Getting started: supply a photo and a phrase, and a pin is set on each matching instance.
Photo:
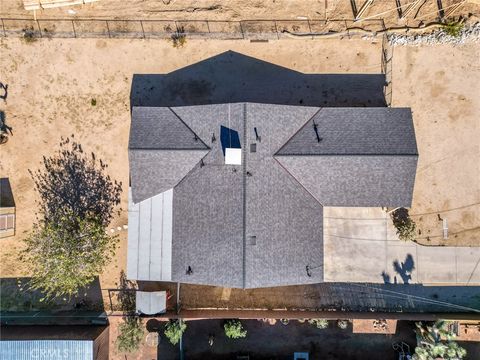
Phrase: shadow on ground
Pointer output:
(23, 306)
(232, 77)
(412, 298)
(279, 341)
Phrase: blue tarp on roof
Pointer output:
(46, 349)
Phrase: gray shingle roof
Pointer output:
(155, 171)
(218, 209)
(161, 128)
(345, 180)
(260, 224)
(162, 150)
(355, 131)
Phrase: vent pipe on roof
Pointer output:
(259, 139)
(315, 128)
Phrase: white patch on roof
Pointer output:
(150, 225)
(233, 156)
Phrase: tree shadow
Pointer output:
(3, 124)
(233, 77)
(403, 269)
(126, 294)
(74, 180)
(3, 91)
(22, 305)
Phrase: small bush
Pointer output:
(93, 102)
(130, 335)
(234, 329)
(179, 38)
(453, 28)
(342, 324)
(29, 35)
(405, 225)
(174, 330)
(319, 323)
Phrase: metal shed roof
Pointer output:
(150, 238)
(46, 349)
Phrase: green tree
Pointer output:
(319, 323)
(406, 228)
(66, 255)
(69, 246)
(436, 342)
(130, 334)
(174, 330)
(234, 329)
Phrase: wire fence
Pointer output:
(166, 29)
(387, 70)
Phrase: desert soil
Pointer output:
(242, 10)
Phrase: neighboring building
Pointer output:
(232, 194)
(54, 342)
(7, 209)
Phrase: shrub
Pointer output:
(29, 35)
(404, 224)
(430, 343)
(453, 28)
(130, 334)
(319, 323)
(234, 329)
(179, 38)
(174, 330)
(342, 324)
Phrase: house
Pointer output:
(232, 195)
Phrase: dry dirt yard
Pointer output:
(243, 10)
(52, 82)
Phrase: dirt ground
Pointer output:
(439, 84)
(244, 9)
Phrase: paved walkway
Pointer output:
(360, 245)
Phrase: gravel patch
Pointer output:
(469, 33)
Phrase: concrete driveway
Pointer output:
(360, 245)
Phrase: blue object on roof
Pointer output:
(46, 349)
